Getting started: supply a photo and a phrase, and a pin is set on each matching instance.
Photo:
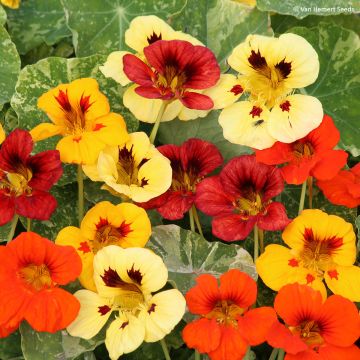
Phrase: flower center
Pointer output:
(226, 313)
(302, 150)
(37, 276)
(171, 80)
(309, 332)
(250, 203)
(16, 183)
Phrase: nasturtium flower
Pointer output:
(240, 198)
(31, 273)
(312, 155)
(315, 329)
(2, 134)
(190, 163)
(25, 180)
(270, 69)
(81, 114)
(136, 169)
(227, 325)
(125, 280)
(13, 4)
(125, 225)
(322, 247)
(344, 188)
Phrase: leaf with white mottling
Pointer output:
(2, 16)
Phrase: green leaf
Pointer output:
(303, 8)
(10, 66)
(10, 347)
(338, 84)
(187, 255)
(2, 15)
(208, 128)
(36, 21)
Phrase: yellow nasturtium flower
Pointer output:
(81, 114)
(2, 134)
(125, 280)
(136, 169)
(13, 4)
(125, 225)
(322, 247)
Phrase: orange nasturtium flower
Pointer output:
(2, 135)
(32, 268)
(125, 225)
(81, 114)
(12, 4)
(322, 246)
(227, 325)
(315, 329)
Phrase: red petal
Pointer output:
(249, 324)
(40, 205)
(238, 288)
(196, 101)
(202, 334)
(7, 208)
(5, 331)
(177, 204)
(137, 71)
(151, 92)
(155, 202)
(274, 219)
(279, 153)
(297, 173)
(172, 152)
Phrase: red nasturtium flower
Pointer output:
(25, 179)
(173, 69)
(312, 155)
(344, 188)
(240, 198)
(227, 325)
(314, 329)
(32, 268)
(190, 162)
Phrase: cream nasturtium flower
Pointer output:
(142, 32)
(125, 280)
(136, 169)
(269, 69)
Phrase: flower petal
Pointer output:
(114, 67)
(137, 71)
(232, 227)
(7, 208)
(275, 217)
(193, 100)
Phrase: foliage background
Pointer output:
(46, 42)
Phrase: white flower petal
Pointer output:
(114, 67)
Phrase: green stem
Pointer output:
(310, 185)
(261, 240)
(13, 227)
(197, 355)
(197, 220)
(281, 354)
(192, 223)
(302, 197)
(165, 349)
(173, 284)
(80, 180)
(274, 354)
(28, 224)
(157, 121)
(256, 242)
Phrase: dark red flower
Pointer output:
(25, 179)
(344, 188)
(312, 155)
(175, 67)
(240, 197)
(190, 162)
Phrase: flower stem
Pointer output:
(28, 224)
(165, 349)
(281, 354)
(80, 180)
(302, 197)
(261, 240)
(197, 220)
(310, 185)
(157, 121)
(256, 242)
(273, 354)
(197, 355)
(13, 227)
(192, 223)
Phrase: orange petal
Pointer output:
(330, 352)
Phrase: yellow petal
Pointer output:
(106, 168)
(44, 131)
(179, 35)
(294, 117)
(91, 172)
(13, 4)
(344, 281)
(114, 67)
(164, 312)
(93, 314)
(241, 125)
(2, 134)
(190, 114)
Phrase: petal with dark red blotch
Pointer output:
(46, 169)
(249, 324)
(193, 100)
(297, 173)
(137, 71)
(202, 334)
(202, 298)
(177, 204)
(279, 153)
(331, 162)
(39, 205)
(330, 352)
(151, 92)
(275, 217)
(52, 310)
(15, 150)
(200, 157)
(7, 208)
(238, 288)
(232, 345)
(281, 337)
(232, 227)
(212, 198)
